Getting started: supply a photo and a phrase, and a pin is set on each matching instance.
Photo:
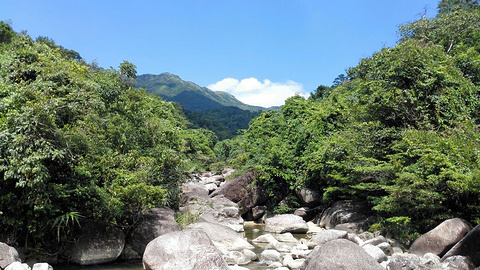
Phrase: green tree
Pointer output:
(448, 6)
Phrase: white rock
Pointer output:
(386, 248)
(270, 255)
(250, 254)
(266, 238)
(275, 265)
(279, 246)
(313, 228)
(236, 267)
(430, 260)
(211, 187)
(375, 252)
(286, 237)
(16, 266)
(42, 266)
(354, 238)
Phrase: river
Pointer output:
(251, 232)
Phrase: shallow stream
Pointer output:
(252, 231)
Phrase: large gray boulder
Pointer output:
(8, 255)
(223, 211)
(223, 237)
(98, 243)
(243, 191)
(441, 238)
(154, 222)
(309, 197)
(469, 246)
(286, 223)
(354, 213)
(186, 250)
(340, 254)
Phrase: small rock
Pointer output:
(375, 252)
(250, 254)
(377, 240)
(354, 238)
(236, 258)
(325, 236)
(430, 260)
(270, 255)
(386, 248)
(258, 211)
(16, 266)
(278, 246)
(458, 262)
(404, 262)
(314, 228)
(265, 238)
(211, 187)
(286, 237)
(236, 267)
(292, 263)
(42, 266)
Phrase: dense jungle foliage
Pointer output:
(77, 143)
(400, 132)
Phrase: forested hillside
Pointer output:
(218, 111)
(78, 142)
(401, 132)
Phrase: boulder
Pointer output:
(286, 237)
(292, 263)
(431, 260)
(265, 238)
(98, 243)
(308, 196)
(237, 188)
(236, 267)
(258, 211)
(469, 246)
(223, 237)
(8, 255)
(345, 212)
(458, 262)
(223, 211)
(42, 266)
(211, 187)
(270, 255)
(286, 223)
(326, 236)
(215, 179)
(375, 252)
(376, 240)
(242, 191)
(236, 258)
(340, 254)
(386, 248)
(404, 262)
(186, 250)
(227, 172)
(154, 222)
(17, 266)
(441, 238)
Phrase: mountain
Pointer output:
(189, 95)
(217, 111)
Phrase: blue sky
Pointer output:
(261, 51)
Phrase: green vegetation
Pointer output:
(218, 111)
(400, 130)
(77, 142)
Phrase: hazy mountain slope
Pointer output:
(191, 96)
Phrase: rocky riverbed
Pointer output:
(213, 235)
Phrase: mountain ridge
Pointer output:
(188, 94)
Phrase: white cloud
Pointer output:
(253, 92)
